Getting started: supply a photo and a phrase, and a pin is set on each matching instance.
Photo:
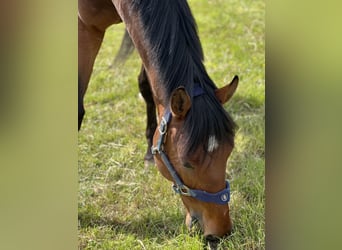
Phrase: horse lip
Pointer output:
(212, 237)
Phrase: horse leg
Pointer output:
(81, 110)
(146, 92)
(89, 42)
(126, 49)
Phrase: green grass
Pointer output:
(122, 204)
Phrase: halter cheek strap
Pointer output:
(221, 197)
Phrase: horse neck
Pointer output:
(161, 88)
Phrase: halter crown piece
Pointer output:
(221, 197)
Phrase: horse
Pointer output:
(193, 137)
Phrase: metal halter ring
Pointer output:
(163, 126)
(183, 190)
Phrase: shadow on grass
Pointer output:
(165, 226)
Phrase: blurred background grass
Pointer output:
(38, 137)
(303, 139)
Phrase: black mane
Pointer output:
(177, 54)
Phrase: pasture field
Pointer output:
(123, 204)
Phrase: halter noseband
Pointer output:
(221, 197)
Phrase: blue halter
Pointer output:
(221, 197)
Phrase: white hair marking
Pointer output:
(212, 143)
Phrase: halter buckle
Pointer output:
(162, 131)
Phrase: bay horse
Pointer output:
(194, 135)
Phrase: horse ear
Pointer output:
(225, 93)
(180, 102)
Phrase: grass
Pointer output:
(122, 204)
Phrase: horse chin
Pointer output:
(212, 242)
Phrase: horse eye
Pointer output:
(188, 165)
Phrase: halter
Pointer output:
(221, 197)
